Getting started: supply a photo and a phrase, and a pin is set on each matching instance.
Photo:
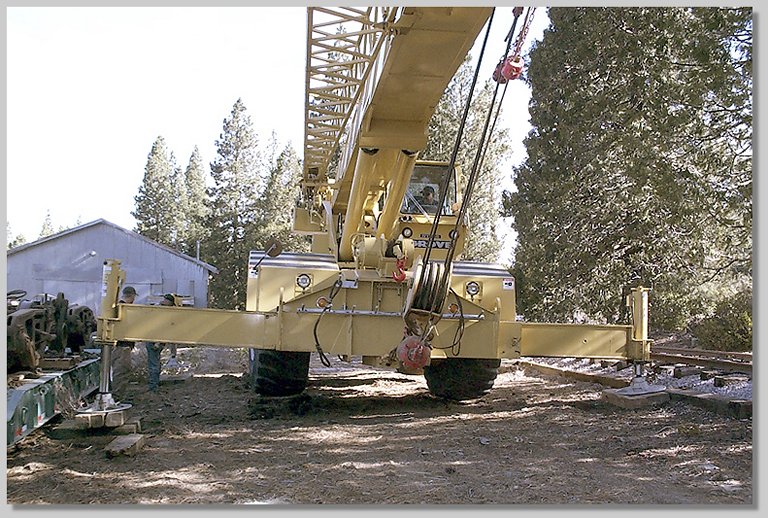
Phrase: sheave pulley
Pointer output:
(431, 280)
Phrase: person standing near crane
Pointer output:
(154, 349)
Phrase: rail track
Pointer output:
(718, 360)
(719, 370)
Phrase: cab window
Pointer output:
(423, 194)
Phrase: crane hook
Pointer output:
(399, 273)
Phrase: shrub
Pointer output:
(730, 327)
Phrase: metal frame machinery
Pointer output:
(382, 281)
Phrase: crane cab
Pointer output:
(421, 204)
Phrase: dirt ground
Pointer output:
(364, 436)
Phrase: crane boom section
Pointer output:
(396, 91)
(428, 46)
(342, 45)
(411, 74)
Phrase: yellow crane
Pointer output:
(384, 280)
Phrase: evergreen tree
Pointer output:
(14, 241)
(196, 206)
(156, 209)
(483, 212)
(233, 208)
(181, 207)
(278, 201)
(639, 163)
(47, 229)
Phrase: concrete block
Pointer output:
(114, 418)
(128, 445)
(95, 420)
(709, 374)
(135, 421)
(681, 371)
(72, 425)
(126, 429)
(68, 429)
(729, 379)
(634, 401)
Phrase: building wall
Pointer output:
(73, 264)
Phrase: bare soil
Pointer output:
(360, 436)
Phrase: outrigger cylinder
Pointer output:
(640, 314)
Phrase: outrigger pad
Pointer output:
(639, 386)
(638, 394)
(635, 401)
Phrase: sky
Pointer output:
(89, 89)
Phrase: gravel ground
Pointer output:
(360, 436)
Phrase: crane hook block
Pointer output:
(414, 353)
(511, 68)
(497, 73)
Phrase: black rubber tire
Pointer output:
(278, 373)
(461, 378)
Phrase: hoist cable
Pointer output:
(473, 176)
(517, 11)
(455, 152)
(482, 148)
(482, 145)
(495, 120)
(444, 190)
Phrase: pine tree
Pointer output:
(639, 164)
(196, 206)
(47, 229)
(156, 209)
(278, 201)
(181, 207)
(233, 208)
(484, 209)
(14, 241)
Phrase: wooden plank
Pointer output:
(128, 445)
(740, 409)
(580, 376)
(65, 363)
(131, 426)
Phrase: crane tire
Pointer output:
(461, 378)
(278, 373)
